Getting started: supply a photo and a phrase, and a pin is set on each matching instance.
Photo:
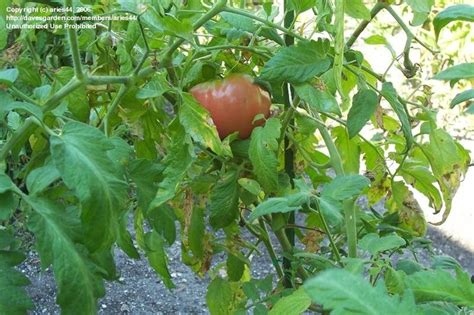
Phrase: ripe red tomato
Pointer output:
(233, 104)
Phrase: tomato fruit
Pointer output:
(233, 104)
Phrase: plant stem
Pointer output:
(105, 79)
(265, 238)
(16, 92)
(351, 226)
(21, 135)
(264, 21)
(271, 251)
(406, 29)
(73, 44)
(288, 248)
(375, 10)
(118, 97)
(334, 155)
(328, 232)
(289, 153)
(217, 8)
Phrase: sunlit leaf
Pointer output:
(458, 12)
(262, 153)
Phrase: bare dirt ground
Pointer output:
(139, 290)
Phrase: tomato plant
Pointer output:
(234, 104)
(106, 141)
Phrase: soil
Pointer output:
(140, 291)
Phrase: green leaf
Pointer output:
(3, 35)
(157, 257)
(297, 64)
(420, 177)
(40, 178)
(8, 205)
(8, 76)
(13, 297)
(99, 185)
(348, 149)
(248, 25)
(225, 200)
(178, 160)
(346, 293)
(345, 187)
(440, 285)
(77, 100)
(195, 120)
(146, 175)
(23, 106)
(154, 88)
(301, 6)
(262, 153)
(28, 72)
(6, 183)
(462, 97)
(290, 202)
(363, 107)
(375, 244)
(410, 217)
(457, 72)
(390, 94)
(295, 303)
(421, 10)
(250, 185)
(458, 12)
(196, 232)
(235, 267)
(356, 9)
(219, 297)
(79, 287)
(318, 100)
(162, 219)
(449, 162)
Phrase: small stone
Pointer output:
(104, 306)
(124, 308)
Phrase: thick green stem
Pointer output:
(271, 251)
(351, 226)
(348, 205)
(406, 29)
(375, 10)
(288, 248)
(217, 8)
(16, 92)
(334, 155)
(335, 251)
(118, 97)
(21, 135)
(73, 44)
(289, 156)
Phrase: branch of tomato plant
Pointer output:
(342, 122)
(265, 22)
(375, 10)
(73, 43)
(265, 238)
(348, 205)
(16, 92)
(334, 248)
(288, 248)
(239, 47)
(407, 30)
(21, 135)
(289, 153)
